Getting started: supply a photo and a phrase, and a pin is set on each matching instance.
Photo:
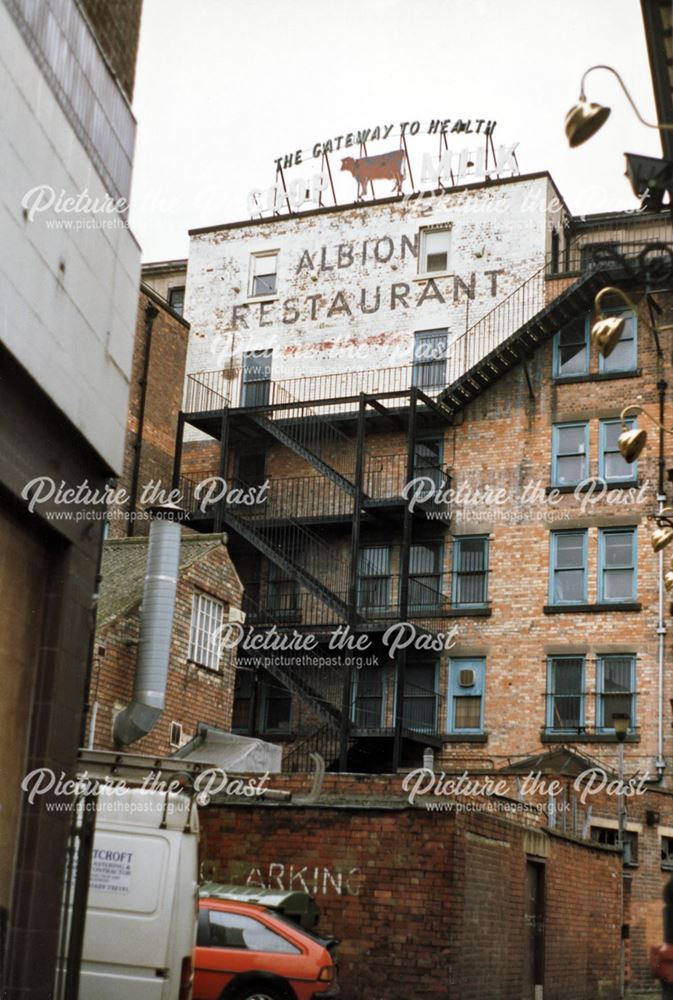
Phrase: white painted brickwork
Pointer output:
(349, 296)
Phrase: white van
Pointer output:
(143, 897)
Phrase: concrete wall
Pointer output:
(69, 292)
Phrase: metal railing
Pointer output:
(650, 255)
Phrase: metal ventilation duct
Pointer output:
(156, 628)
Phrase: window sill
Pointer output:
(596, 377)
(573, 737)
(433, 276)
(202, 666)
(594, 609)
(464, 612)
(613, 485)
(254, 299)
(464, 737)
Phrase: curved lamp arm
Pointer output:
(636, 408)
(624, 88)
(611, 290)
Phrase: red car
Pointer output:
(248, 952)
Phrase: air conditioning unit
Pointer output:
(467, 678)
(236, 615)
(175, 738)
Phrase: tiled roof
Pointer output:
(123, 570)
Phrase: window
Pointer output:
(425, 577)
(435, 250)
(263, 271)
(571, 349)
(466, 695)
(276, 706)
(175, 734)
(615, 690)
(256, 386)
(429, 369)
(617, 564)
(282, 595)
(176, 299)
(570, 448)
(367, 699)
(568, 581)
(428, 458)
(470, 571)
(419, 712)
(251, 469)
(593, 255)
(610, 836)
(374, 579)
(565, 694)
(233, 930)
(624, 355)
(244, 689)
(205, 633)
(613, 467)
(667, 852)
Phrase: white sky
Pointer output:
(224, 87)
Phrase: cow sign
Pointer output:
(388, 166)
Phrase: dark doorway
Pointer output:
(534, 931)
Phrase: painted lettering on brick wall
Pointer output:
(318, 881)
(376, 254)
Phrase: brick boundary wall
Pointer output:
(429, 905)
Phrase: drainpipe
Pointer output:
(156, 627)
(151, 313)
(660, 763)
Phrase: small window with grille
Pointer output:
(205, 635)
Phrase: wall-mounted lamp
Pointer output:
(584, 120)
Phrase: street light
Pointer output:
(584, 120)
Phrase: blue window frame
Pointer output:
(565, 694)
(617, 564)
(615, 690)
(568, 561)
(571, 349)
(466, 695)
(570, 453)
(624, 356)
(469, 580)
(612, 466)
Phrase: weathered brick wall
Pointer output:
(428, 905)
(194, 693)
(116, 25)
(163, 401)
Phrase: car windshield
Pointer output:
(326, 942)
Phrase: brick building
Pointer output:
(197, 690)
(491, 416)
(443, 341)
(157, 375)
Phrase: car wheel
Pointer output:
(260, 994)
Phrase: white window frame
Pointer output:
(423, 272)
(262, 255)
(207, 618)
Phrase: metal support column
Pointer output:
(222, 471)
(353, 577)
(401, 658)
(177, 459)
